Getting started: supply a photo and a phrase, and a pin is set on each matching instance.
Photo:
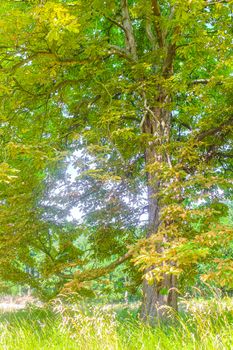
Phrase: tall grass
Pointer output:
(205, 325)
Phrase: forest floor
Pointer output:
(204, 325)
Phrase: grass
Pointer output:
(205, 325)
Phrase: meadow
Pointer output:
(202, 325)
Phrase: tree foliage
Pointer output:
(142, 90)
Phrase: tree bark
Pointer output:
(158, 298)
(157, 306)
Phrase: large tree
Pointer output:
(144, 87)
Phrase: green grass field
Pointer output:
(205, 325)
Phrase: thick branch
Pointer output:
(92, 274)
(150, 33)
(157, 25)
(171, 52)
(128, 28)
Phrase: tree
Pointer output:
(146, 87)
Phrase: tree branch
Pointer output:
(168, 63)
(118, 24)
(92, 274)
(215, 130)
(171, 52)
(200, 81)
(157, 26)
(120, 51)
(150, 33)
(64, 83)
(20, 87)
(204, 82)
(208, 3)
(128, 28)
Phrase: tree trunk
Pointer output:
(156, 305)
(156, 122)
(158, 298)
